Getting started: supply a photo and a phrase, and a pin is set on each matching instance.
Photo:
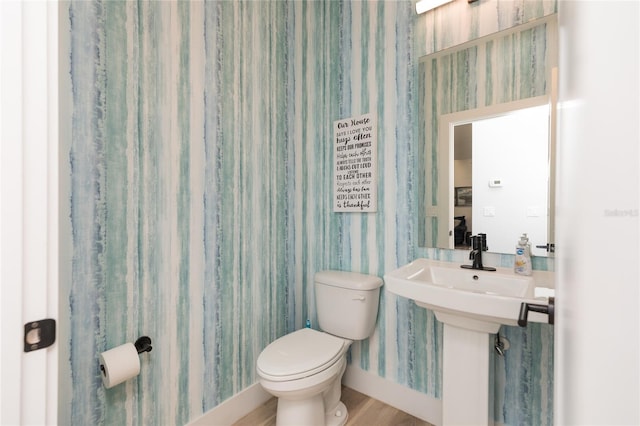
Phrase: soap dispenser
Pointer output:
(522, 264)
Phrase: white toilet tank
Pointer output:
(347, 303)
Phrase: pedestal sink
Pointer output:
(472, 304)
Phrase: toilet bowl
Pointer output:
(304, 369)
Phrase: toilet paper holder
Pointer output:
(143, 344)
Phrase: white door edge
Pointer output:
(28, 207)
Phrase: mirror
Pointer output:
(494, 175)
(479, 103)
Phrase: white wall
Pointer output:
(597, 296)
(515, 149)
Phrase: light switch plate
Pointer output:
(495, 182)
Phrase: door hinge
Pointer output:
(39, 334)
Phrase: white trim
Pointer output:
(29, 206)
(53, 206)
(234, 408)
(11, 208)
(394, 394)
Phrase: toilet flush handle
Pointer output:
(360, 298)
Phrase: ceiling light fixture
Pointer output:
(423, 6)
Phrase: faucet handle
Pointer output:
(479, 242)
(483, 242)
(473, 242)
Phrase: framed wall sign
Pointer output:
(355, 165)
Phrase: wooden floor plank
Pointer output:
(363, 411)
(265, 415)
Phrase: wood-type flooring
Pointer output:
(363, 411)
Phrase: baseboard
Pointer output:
(408, 400)
(391, 393)
(234, 408)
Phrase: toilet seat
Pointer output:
(300, 354)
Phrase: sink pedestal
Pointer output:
(465, 387)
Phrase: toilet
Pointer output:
(304, 369)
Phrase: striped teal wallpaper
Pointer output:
(198, 140)
(181, 162)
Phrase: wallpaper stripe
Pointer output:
(117, 193)
(211, 204)
(86, 294)
(197, 162)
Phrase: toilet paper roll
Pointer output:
(119, 364)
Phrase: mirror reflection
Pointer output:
(500, 179)
(485, 144)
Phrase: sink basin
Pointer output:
(472, 299)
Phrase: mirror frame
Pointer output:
(469, 77)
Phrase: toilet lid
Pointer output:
(300, 354)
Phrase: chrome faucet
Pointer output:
(478, 245)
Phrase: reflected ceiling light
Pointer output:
(426, 5)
